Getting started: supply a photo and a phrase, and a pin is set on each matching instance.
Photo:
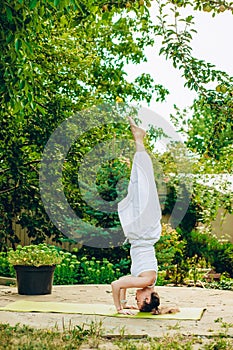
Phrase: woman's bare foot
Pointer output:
(138, 135)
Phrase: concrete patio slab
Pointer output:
(218, 304)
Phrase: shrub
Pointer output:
(169, 249)
(67, 271)
(225, 283)
(5, 267)
(218, 254)
(221, 256)
(96, 271)
(72, 270)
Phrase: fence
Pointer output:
(220, 227)
(21, 233)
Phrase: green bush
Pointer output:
(169, 247)
(221, 256)
(97, 272)
(217, 254)
(123, 265)
(198, 245)
(119, 256)
(6, 270)
(84, 270)
(73, 270)
(67, 271)
(225, 283)
(170, 254)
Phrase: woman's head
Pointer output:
(152, 305)
(147, 300)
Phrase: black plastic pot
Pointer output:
(32, 280)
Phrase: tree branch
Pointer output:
(25, 164)
(10, 189)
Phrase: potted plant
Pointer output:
(34, 266)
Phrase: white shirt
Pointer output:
(143, 259)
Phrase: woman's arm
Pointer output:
(123, 300)
(127, 282)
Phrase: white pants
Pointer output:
(140, 211)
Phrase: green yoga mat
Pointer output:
(96, 309)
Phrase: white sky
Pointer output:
(212, 42)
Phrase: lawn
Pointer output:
(92, 336)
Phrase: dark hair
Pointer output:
(152, 305)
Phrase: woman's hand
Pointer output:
(126, 312)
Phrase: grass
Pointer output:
(91, 336)
(27, 338)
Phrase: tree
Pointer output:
(209, 129)
(57, 58)
(207, 123)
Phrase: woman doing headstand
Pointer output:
(140, 216)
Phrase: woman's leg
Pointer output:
(140, 211)
(138, 135)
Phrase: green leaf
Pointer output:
(9, 13)
(22, 84)
(9, 38)
(30, 97)
(18, 44)
(32, 4)
(56, 2)
(17, 107)
(105, 16)
(29, 47)
(189, 19)
(41, 109)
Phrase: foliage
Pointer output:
(216, 253)
(179, 250)
(97, 272)
(168, 247)
(66, 271)
(5, 267)
(221, 254)
(119, 256)
(179, 258)
(196, 270)
(57, 58)
(225, 283)
(72, 270)
(198, 245)
(34, 255)
(178, 194)
(86, 195)
(206, 192)
(170, 254)
(109, 176)
(61, 57)
(207, 123)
